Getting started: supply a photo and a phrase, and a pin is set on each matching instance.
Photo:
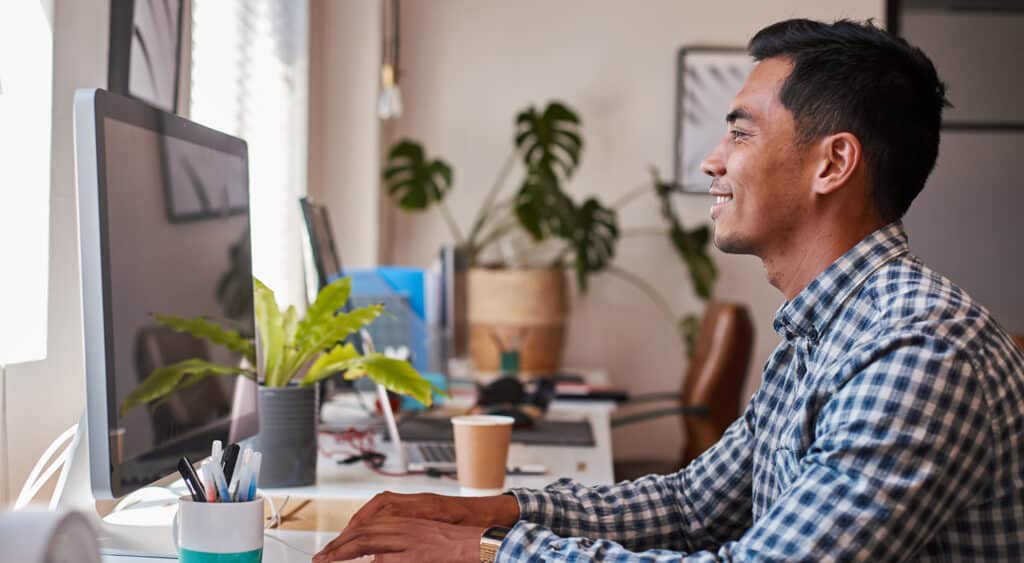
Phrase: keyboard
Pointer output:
(440, 456)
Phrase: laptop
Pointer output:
(439, 456)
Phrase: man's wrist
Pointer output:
(500, 510)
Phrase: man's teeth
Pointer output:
(722, 199)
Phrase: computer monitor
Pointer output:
(164, 228)
(326, 261)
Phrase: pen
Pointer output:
(188, 475)
(234, 486)
(216, 449)
(256, 458)
(228, 461)
(220, 483)
(211, 489)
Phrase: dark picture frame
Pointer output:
(144, 56)
(707, 79)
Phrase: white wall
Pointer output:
(44, 398)
(468, 66)
(344, 132)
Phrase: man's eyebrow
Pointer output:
(738, 113)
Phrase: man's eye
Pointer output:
(738, 135)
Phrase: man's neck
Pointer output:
(792, 267)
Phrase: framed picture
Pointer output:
(145, 50)
(707, 80)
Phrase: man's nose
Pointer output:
(713, 164)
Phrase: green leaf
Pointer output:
(395, 375)
(542, 207)
(416, 181)
(270, 326)
(205, 330)
(328, 302)
(333, 330)
(168, 379)
(594, 238)
(324, 365)
(549, 140)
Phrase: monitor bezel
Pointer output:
(92, 108)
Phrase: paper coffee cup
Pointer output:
(481, 452)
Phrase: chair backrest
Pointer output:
(715, 375)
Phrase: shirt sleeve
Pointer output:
(899, 448)
(702, 505)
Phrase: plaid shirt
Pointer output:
(889, 426)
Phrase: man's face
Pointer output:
(757, 169)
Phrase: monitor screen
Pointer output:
(164, 219)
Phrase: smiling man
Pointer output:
(890, 421)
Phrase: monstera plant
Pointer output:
(548, 147)
(304, 350)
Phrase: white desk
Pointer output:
(590, 465)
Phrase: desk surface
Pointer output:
(341, 489)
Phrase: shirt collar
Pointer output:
(808, 314)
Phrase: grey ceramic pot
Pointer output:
(287, 436)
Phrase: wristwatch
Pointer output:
(490, 542)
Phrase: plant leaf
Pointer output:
(542, 207)
(168, 379)
(331, 299)
(324, 365)
(596, 232)
(331, 331)
(270, 325)
(538, 135)
(395, 375)
(203, 329)
(416, 181)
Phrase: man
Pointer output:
(890, 421)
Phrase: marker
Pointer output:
(228, 461)
(216, 449)
(211, 488)
(241, 466)
(252, 478)
(192, 481)
(220, 482)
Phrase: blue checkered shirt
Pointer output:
(889, 426)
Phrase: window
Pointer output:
(26, 73)
(249, 78)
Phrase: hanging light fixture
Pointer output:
(389, 104)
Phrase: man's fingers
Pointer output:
(375, 544)
(361, 537)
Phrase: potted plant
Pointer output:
(564, 234)
(295, 354)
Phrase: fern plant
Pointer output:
(303, 350)
(548, 145)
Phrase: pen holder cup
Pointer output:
(222, 532)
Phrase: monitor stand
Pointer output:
(138, 524)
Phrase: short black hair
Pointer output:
(854, 77)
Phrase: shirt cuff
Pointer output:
(538, 506)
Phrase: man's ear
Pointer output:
(839, 157)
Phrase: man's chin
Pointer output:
(730, 244)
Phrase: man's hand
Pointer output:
(481, 512)
(398, 540)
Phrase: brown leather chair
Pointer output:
(709, 398)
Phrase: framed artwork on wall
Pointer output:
(707, 79)
(145, 50)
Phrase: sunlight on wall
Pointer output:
(249, 78)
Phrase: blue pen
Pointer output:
(254, 475)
